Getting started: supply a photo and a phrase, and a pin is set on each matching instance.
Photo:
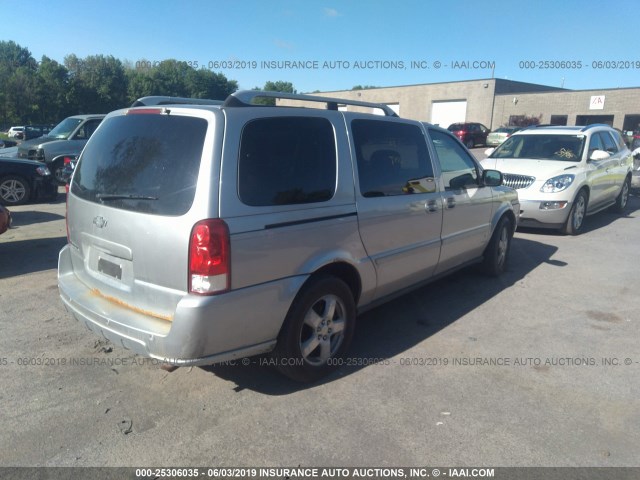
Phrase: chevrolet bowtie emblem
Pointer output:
(100, 222)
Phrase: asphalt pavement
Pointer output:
(540, 367)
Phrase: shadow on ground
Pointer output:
(29, 256)
(399, 325)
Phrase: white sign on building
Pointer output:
(597, 102)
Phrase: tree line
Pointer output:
(45, 91)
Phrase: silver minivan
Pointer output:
(205, 233)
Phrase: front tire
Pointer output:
(317, 330)
(577, 214)
(497, 252)
(14, 190)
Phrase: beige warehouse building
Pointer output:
(494, 102)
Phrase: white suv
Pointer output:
(563, 174)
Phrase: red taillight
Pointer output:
(209, 257)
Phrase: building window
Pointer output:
(559, 119)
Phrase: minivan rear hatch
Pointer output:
(129, 204)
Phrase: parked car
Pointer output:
(36, 131)
(7, 144)
(25, 180)
(69, 162)
(564, 173)
(471, 134)
(635, 141)
(16, 132)
(5, 219)
(499, 135)
(67, 138)
(255, 240)
(635, 177)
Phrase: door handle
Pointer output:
(431, 206)
(451, 202)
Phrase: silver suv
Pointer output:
(203, 233)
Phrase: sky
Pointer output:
(338, 44)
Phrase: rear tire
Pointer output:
(317, 330)
(469, 144)
(14, 190)
(623, 198)
(577, 214)
(497, 252)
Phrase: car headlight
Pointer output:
(557, 184)
(43, 171)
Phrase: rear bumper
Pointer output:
(203, 331)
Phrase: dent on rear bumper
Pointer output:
(204, 330)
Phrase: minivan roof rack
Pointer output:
(244, 98)
(162, 100)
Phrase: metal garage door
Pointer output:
(446, 113)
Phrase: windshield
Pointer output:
(542, 147)
(456, 127)
(505, 130)
(64, 128)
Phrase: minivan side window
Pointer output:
(287, 161)
(458, 169)
(392, 158)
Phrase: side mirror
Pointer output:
(492, 178)
(489, 151)
(599, 155)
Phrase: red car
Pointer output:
(5, 219)
(471, 134)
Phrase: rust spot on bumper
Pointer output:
(98, 293)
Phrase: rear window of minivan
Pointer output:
(145, 162)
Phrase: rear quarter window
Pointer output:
(145, 162)
(287, 161)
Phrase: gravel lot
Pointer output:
(540, 367)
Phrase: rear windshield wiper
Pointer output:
(106, 197)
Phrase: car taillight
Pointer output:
(43, 171)
(209, 257)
